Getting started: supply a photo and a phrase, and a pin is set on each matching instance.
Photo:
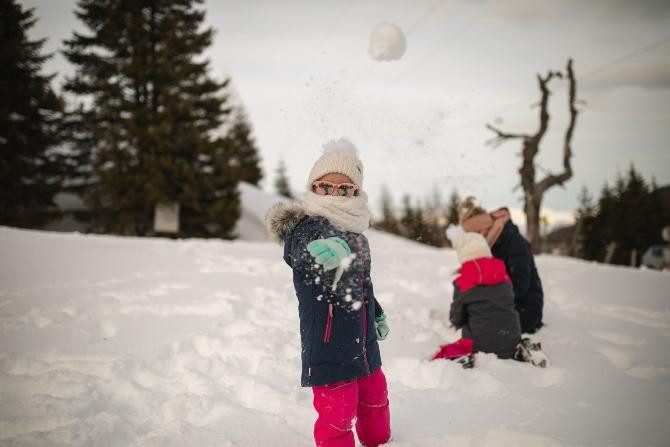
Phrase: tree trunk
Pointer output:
(533, 223)
(534, 190)
(609, 252)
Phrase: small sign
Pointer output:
(166, 218)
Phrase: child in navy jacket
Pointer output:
(340, 318)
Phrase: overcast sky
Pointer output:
(302, 70)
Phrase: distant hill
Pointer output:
(559, 240)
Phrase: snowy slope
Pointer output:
(151, 342)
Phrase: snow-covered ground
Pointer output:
(114, 341)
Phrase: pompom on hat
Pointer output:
(339, 156)
(470, 246)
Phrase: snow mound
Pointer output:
(119, 341)
(387, 42)
(254, 205)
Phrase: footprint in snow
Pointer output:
(620, 339)
(618, 358)
(622, 360)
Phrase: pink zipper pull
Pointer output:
(329, 324)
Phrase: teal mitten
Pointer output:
(381, 327)
(329, 253)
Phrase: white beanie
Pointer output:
(339, 156)
(471, 246)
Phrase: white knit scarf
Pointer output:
(344, 213)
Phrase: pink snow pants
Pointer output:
(338, 404)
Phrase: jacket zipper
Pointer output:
(329, 324)
(364, 315)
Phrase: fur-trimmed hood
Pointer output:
(282, 218)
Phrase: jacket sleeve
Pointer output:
(371, 294)
(457, 314)
(379, 311)
(519, 266)
(301, 261)
(295, 246)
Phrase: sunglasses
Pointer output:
(324, 188)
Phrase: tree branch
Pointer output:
(544, 105)
(559, 179)
(501, 136)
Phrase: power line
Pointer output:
(624, 58)
(589, 74)
(423, 16)
(486, 11)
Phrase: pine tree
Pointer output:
(586, 205)
(420, 231)
(282, 185)
(605, 222)
(389, 221)
(628, 219)
(584, 224)
(144, 131)
(433, 202)
(433, 219)
(452, 207)
(245, 160)
(639, 227)
(412, 220)
(30, 119)
(660, 203)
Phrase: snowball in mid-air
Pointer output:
(387, 42)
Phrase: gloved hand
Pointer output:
(381, 327)
(329, 253)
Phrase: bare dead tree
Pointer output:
(534, 190)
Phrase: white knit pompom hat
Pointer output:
(339, 156)
(471, 246)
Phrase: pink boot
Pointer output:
(456, 349)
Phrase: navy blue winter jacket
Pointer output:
(337, 330)
(515, 251)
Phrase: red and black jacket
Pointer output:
(483, 306)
